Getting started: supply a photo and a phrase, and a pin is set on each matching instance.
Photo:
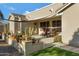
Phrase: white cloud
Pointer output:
(26, 12)
(37, 9)
(10, 8)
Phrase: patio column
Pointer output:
(38, 27)
(50, 23)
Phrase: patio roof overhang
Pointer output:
(45, 18)
(58, 13)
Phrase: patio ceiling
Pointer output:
(48, 12)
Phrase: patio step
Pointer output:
(7, 50)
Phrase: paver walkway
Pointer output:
(66, 47)
(70, 48)
(7, 50)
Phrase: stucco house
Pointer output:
(61, 16)
(67, 14)
(16, 23)
(38, 21)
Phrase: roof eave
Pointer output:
(65, 7)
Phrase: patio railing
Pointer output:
(51, 31)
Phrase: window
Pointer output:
(56, 23)
(35, 23)
(16, 18)
(44, 24)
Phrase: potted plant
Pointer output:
(11, 38)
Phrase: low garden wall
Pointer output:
(27, 48)
(34, 47)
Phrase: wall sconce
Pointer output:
(51, 10)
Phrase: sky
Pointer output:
(19, 8)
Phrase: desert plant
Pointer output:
(58, 38)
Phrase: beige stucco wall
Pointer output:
(1, 28)
(11, 27)
(70, 25)
(11, 24)
(23, 26)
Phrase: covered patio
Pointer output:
(44, 28)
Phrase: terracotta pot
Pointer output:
(12, 37)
